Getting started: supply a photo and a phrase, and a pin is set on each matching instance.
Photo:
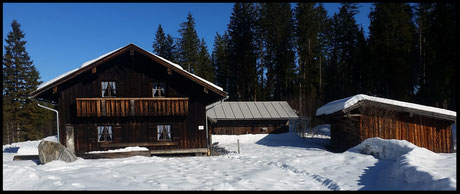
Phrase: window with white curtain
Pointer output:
(109, 89)
(104, 133)
(164, 132)
(159, 89)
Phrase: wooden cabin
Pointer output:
(131, 97)
(359, 117)
(236, 118)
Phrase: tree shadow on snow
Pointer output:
(377, 177)
(293, 140)
(11, 150)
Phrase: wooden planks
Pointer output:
(26, 157)
(114, 154)
(432, 134)
(122, 107)
(180, 151)
(141, 144)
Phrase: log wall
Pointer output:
(432, 134)
(133, 114)
(239, 127)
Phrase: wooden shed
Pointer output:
(244, 117)
(359, 117)
(131, 97)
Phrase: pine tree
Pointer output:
(392, 49)
(220, 60)
(20, 78)
(242, 52)
(436, 37)
(163, 45)
(344, 67)
(7, 113)
(171, 49)
(278, 29)
(188, 45)
(360, 76)
(204, 66)
(311, 24)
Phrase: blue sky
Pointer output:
(62, 36)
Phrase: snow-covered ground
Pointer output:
(265, 162)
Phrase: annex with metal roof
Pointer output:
(248, 110)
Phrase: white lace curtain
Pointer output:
(104, 133)
(108, 89)
(164, 132)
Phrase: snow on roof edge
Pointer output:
(344, 103)
(81, 66)
(104, 55)
(56, 78)
(180, 67)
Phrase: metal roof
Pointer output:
(267, 110)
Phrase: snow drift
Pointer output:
(266, 162)
(420, 168)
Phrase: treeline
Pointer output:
(22, 119)
(276, 51)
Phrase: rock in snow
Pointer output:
(49, 151)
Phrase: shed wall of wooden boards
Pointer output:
(355, 119)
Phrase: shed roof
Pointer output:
(350, 103)
(268, 110)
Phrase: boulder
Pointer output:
(49, 151)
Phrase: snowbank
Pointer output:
(420, 168)
(266, 162)
(27, 147)
(385, 149)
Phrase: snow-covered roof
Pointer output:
(345, 103)
(85, 64)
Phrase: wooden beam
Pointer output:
(180, 151)
(26, 157)
(158, 99)
(352, 115)
(114, 154)
(141, 144)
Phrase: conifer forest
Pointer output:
(290, 52)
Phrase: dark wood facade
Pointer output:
(370, 119)
(240, 127)
(133, 113)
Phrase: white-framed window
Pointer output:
(109, 89)
(104, 133)
(164, 132)
(159, 89)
